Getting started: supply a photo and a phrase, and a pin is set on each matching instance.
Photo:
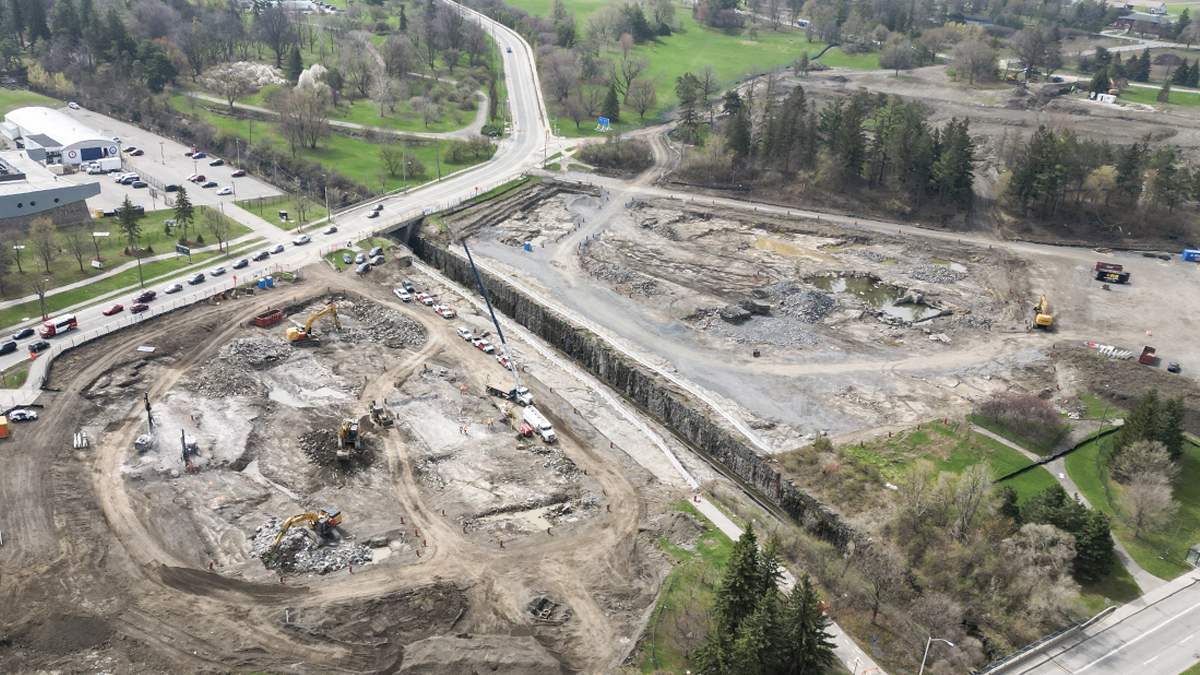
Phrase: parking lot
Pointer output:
(163, 163)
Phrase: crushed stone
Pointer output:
(381, 324)
(299, 553)
(933, 273)
(806, 304)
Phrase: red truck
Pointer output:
(1147, 356)
(268, 317)
(1111, 273)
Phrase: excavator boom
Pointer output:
(296, 334)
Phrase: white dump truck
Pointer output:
(541, 425)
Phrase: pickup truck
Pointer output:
(1147, 356)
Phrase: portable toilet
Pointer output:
(270, 282)
(262, 284)
(528, 246)
(3, 426)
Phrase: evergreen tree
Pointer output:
(953, 171)
(185, 213)
(1117, 69)
(736, 596)
(1131, 167)
(739, 136)
(294, 65)
(687, 88)
(1193, 74)
(65, 22)
(1037, 169)
(1168, 426)
(1182, 73)
(1100, 82)
(1008, 505)
(1181, 23)
(612, 105)
(1140, 73)
(752, 651)
(1093, 536)
(805, 646)
(35, 20)
(132, 230)
(1164, 92)
(732, 102)
(155, 66)
(403, 20)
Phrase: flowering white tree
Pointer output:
(235, 80)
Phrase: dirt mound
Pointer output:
(382, 325)
(806, 304)
(65, 633)
(321, 446)
(444, 655)
(201, 582)
(677, 527)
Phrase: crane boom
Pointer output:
(503, 343)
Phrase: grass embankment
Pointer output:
(1149, 549)
(351, 156)
(1039, 439)
(11, 99)
(268, 209)
(683, 607)
(14, 377)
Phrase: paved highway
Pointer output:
(1153, 635)
(517, 153)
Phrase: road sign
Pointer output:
(182, 250)
(603, 121)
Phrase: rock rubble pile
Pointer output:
(382, 325)
(230, 373)
(299, 552)
(936, 274)
(806, 304)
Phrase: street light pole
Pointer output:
(928, 642)
(162, 153)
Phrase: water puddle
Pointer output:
(287, 398)
(784, 248)
(536, 517)
(879, 295)
(957, 267)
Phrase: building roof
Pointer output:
(1148, 18)
(43, 140)
(35, 176)
(63, 128)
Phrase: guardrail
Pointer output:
(1034, 648)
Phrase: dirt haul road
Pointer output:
(86, 569)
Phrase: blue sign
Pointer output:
(603, 121)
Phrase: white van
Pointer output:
(541, 425)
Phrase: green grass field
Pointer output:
(15, 377)
(1194, 670)
(1036, 439)
(11, 99)
(352, 157)
(1148, 549)
(690, 587)
(1118, 587)
(268, 209)
(336, 258)
(1178, 97)
(951, 447)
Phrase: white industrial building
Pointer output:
(51, 137)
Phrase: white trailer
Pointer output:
(541, 425)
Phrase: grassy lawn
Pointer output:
(336, 258)
(1148, 550)
(64, 269)
(837, 58)
(405, 118)
(687, 598)
(1118, 588)
(1097, 409)
(268, 209)
(352, 157)
(1194, 670)
(1030, 483)
(153, 272)
(1036, 438)
(15, 377)
(951, 447)
(1184, 97)
(11, 99)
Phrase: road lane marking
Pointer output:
(1138, 638)
(1187, 638)
(1148, 662)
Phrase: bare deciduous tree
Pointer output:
(399, 55)
(642, 96)
(215, 226)
(275, 28)
(1143, 457)
(1148, 501)
(44, 237)
(560, 70)
(356, 63)
(975, 58)
(882, 575)
(77, 244)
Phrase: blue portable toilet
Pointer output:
(528, 246)
(262, 284)
(270, 282)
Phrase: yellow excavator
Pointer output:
(299, 335)
(322, 522)
(348, 437)
(1041, 314)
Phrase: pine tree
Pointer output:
(739, 136)
(805, 646)
(403, 20)
(612, 105)
(1168, 426)
(736, 597)
(1117, 69)
(1181, 74)
(1164, 92)
(1142, 72)
(1139, 423)
(1100, 82)
(753, 650)
(294, 66)
(1181, 23)
(185, 213)
(953, 171)
(1193, 75)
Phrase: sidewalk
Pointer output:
(846, 650)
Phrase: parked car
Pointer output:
(261, 255)
(447, 312)
(173, 288)
(216, 162)
(8, 347)
(465, 334)
(373, 214)
(137, 153)
(329, 230)
(196, 177)
(239, 173)
(347, 259)
(198, 155)
(402, 294)
(209, 184)
(24, 333)
(73, 105)
(171, 187)
(378, 260)
(197, 278)
(301, 240)
(128, 148)
(277, 248)
(146, 296)
(363, 269)
(38, 346)
(503, 361)
(425, 299)
(113, 310)
(1173, 367)
(377, 251)
(225, 191)
(484, 346)
(137, 184)
(408, 286)
(139, 308)
(22, 415)
(360, 258)
(240, 263)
